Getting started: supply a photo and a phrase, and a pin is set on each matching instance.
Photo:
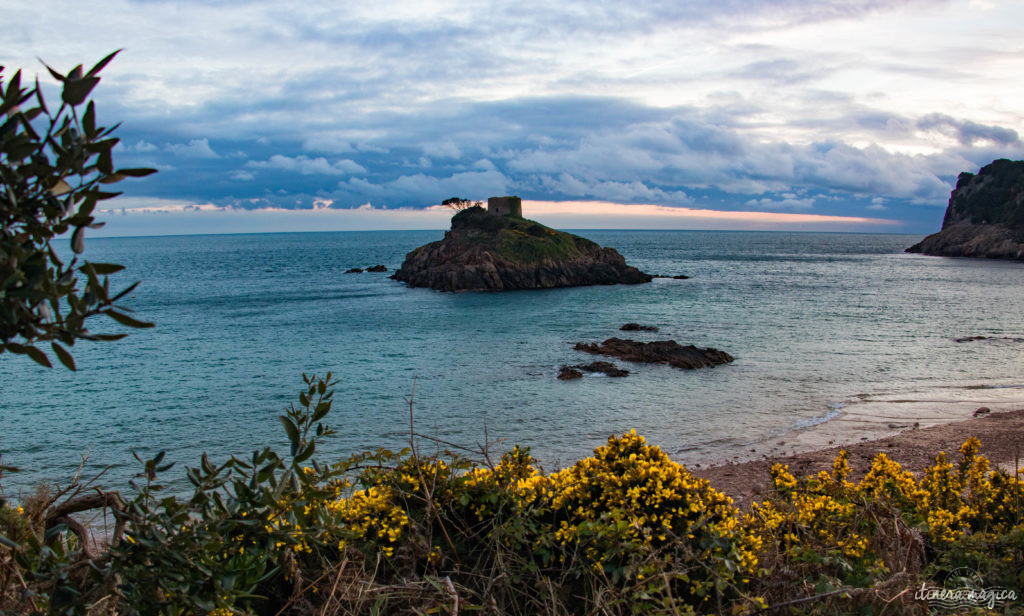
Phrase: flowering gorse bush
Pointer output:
(627, 518)
(835, 534)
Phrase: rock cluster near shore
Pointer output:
(567, 373)
(489, 252)
(985, 216)
(659, 352)
(636, 327)
(359, 270)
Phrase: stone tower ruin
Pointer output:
(505, 206)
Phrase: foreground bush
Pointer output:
(625, 531)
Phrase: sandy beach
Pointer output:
(1001, 434)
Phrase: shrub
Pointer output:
(54, 168)
(624, 531)
(866, 543)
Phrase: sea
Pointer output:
(825, 327)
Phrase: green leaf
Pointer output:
(77, 90)
(322, 409)
(55, 74)
(105, 163)
(38, 356)
(39, 97)
(102, 63)
(64, 356)
(106, 337)
(7, 542)
(113, 178)
(306, 452)
(139, 172)
(89, 120)
(103, 269)
(78, 240)
(289, 427)
(60, 188)
(126, 320)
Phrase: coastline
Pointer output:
(1001, 433)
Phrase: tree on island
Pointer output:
(458, 204)
(53, 171)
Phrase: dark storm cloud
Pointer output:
(548, 148)
(968, 132)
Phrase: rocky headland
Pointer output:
(485, 251)
(985, 216)
(659, 352)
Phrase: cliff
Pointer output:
(985, 216)
(489, 252)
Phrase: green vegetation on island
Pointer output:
(520, 240)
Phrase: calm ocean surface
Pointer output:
(817, 322)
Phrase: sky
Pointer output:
(833, 115)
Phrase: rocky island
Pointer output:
(498, 250)
(985, 216)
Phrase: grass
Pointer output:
(520, 240)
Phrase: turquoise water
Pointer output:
(816, 321)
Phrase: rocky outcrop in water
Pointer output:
(659, 352)
(636, 327)
(985, 216)
(489, 252)
(568, 373)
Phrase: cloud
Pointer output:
(445, 149)
(420, 101)
(142, 146)
(780, 71)
(423, 189)
(968, 132)
(789, 203)
(309, 166)
(877, 205)
(625, 192)
(196, 148)
(328, 143)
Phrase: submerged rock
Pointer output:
(659, 352)
(605, 367)
(354, 270)
(636, 327)
(377, 268)
(484, 251)
(568, 373)
(985, 215)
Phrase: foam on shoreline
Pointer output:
(869, 417)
